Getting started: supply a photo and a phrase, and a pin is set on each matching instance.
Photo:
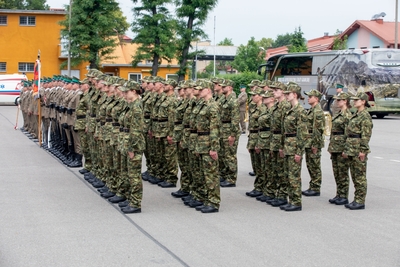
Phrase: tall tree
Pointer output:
(154, 28)
(265, 43)
(226, 42)
(339, 43)
(282, 40)
(24, 4)
(298, 42)
(192, 14)
(248, 57)
(94, 26)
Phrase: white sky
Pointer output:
(240, 20)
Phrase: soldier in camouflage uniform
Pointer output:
(229, 133)
(252, 106)
(257, 108)
(263, 148)
(314, 142)
(295, 132)
(146, 99)
(340, 165)
(334, 106)
(359, 131)
(279, 182)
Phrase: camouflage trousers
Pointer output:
(93, 152)
(228, 155)
(293, 172)
(168, 161)
(279, 182)
(197, 187)
(358, 170)
(134, 180)
(183, 156)
(147, 152)
(257, 168)
(314, 168)
(46, 125)
(77, 141)
(108, 166)
(341, 168)
(269, 187)
(209, 171)
(116, 169)
(123, 187)
(85, 149)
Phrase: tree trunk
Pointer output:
(185, 51)
(156, 57)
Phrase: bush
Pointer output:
(243, 78)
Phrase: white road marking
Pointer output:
(378, 157)
(395, 160)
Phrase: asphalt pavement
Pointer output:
(50, 216)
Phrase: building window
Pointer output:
(25, 67)
(3, 66)
(172, 77)
(3, 20)
(135, 77)
(27, 20)
(149, 62)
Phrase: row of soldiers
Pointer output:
(281, 132)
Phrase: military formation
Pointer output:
(194, 127)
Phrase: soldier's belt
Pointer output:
(226, 121)
(163, 120)
(47, 106)
(193, 131)
(277, 132)
(146, 117)
(52, 105)
(121, 129)
(57, 108)
(254, 131)
(115, 124)
(290, 134)
(178, 122)
(70, 111)
(97, 120)
(126, 130)
(266, 129)
(154, 119)
(102, 123)
(64, 110)
(109, 120)
(147, 113)
(93, 115)
(337, 133)
(203, 133)
(310, 131)
(354, 135)
(186, 126)
(80, 117)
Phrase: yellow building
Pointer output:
(24, 32)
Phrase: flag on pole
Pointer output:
(36, 75)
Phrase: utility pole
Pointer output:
(396, 25)
(69, 39)
(215, 45)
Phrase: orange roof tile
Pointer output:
(383, 29)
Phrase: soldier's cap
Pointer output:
(180, 85)
(294, 88)
(217, 80)
(118, 81)
(100, 77)
(86, 80)
(361, 96)
(268, 94)
(132, 85)
(67, 79)
(242, 86)
(228, 83)
(171, 82)
(278, 85)
(75, 80)
(157, 79)
(190, 84)
(144, 79)
(203, 84)
(265, 83)
(122, 88)
(342, 95)
(257, 91)
(254, 83)
(108, 80)
(338, 85)
(314, 92)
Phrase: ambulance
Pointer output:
(10, 87)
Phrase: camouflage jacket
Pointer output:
(264, 134)
(108, 127)
(358, 133)
(197, 105)
(147, 108)
(295, 123)
(186, 123)
(316, 127)
(230, 116)
(93, 106)
(101, 115)
(207, 125)
(157, 100)
(182, 105)
(166, 116)
(134, 139)
(115, 113)
(338, 131)
(123, 121)
(253, 125)
(277, 117)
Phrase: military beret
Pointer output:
(338, 85)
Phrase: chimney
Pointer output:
(379, 21)
(326, 34)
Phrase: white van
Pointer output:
(10, 87)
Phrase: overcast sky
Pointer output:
(240, 20)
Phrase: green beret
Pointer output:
(338, 85)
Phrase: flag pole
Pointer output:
(39, 107)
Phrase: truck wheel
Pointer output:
(380, 116)
(16, 102)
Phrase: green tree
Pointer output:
(282, 40)
(226, 42)
(298, 42)
(24, 4)
(94, 25)
(339, 43)
(154, 28)
(248, 57)
(265, 43)
(243, 78)
(191, 14)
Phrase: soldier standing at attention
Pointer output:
(257, 109)
(340, 165)
(242, 99)
(295, 132)
(252, 106)
(314, 142)
(229, 133)
(358, 133)
(207, 146)
(334, 106)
